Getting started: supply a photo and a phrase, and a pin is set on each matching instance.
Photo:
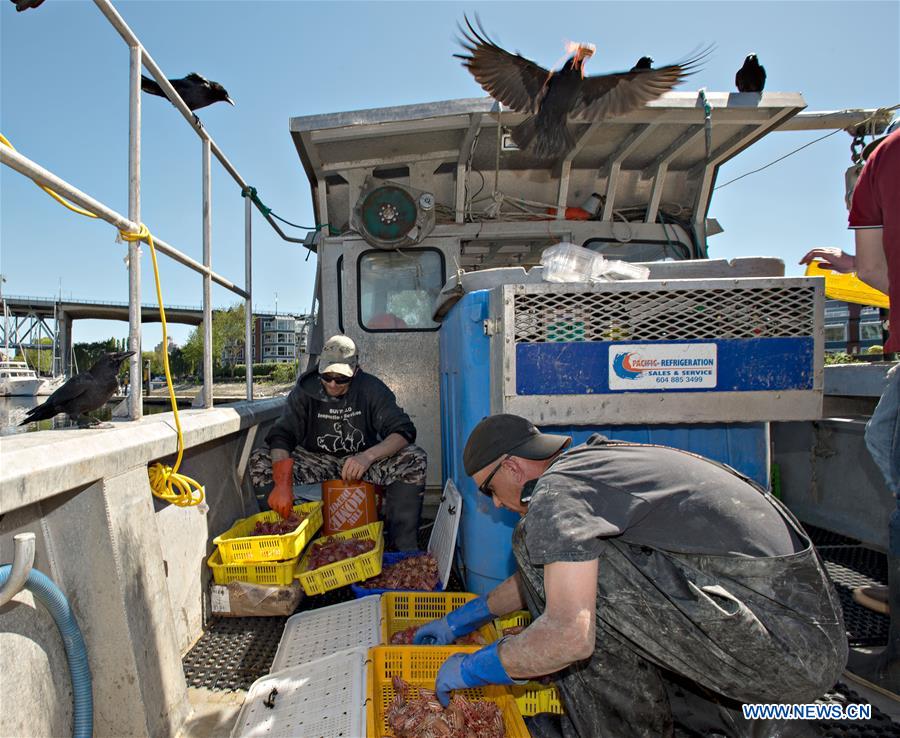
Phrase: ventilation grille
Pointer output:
(670, 315)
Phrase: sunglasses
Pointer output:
(484, 487)
(335, 378)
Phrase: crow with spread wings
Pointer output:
(550, 97)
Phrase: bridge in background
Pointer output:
(33, 319)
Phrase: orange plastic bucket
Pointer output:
(347, 505)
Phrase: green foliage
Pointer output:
(284, 373)
(227, 336)
(41, 360)
(259, 370)
(839, 358)
(87, 354)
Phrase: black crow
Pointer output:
(550, 97)
(752, 76)
(83, 392)
(196, 91)
(645, 62)
(25, 4)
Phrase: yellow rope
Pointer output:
(165, 481)
(62, 201)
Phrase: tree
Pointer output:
(40, 359)
(227, 336)
(87, 354)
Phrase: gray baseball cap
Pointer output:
(338, 356)
(502, 434)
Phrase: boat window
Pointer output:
(397, 289)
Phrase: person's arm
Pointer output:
(355, 466)
(501, 600)
(507, 596)
(871, 263)
(565, 632)
(562, 635)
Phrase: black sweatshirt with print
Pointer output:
(340, 426)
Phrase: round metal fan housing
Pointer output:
(388, 214)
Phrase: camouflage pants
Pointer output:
(407, 466)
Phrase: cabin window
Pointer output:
(397, 289)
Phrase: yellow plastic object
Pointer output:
(261, 572)
(419, 667)
(400, 610)
(344, 572)
(236, 545)
(532, 697)
(847, 287)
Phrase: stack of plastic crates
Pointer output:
(268, 559)
(531, 697)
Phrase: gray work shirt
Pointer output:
(650, 496)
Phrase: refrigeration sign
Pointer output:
(660, 367)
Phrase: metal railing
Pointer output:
(139, 57)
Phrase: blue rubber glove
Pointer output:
(464, 670)
(461, 621)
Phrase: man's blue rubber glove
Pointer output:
(459, 622)
(470, 670)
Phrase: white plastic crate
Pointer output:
(323, 698)
(442, 543)
(316, 633)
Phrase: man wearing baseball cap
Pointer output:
(341, 422)
(665, 589)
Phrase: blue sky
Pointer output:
(64, 103)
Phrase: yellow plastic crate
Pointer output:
(255, 572)
(237, 545)
(419, 667)
(847, 287)
(532, 697)
(341, 573)
(400, 610)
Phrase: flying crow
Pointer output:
(645, 62)
(550, 97)
(25, 4)
(752, 76)
(196, 91)
(83, 392)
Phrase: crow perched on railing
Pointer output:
(196, 91)
(550, 97)
(84, 392)
(752, 76)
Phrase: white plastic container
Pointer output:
(615, 270)
(566, 262)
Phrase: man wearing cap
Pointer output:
(665, 589)
(340, 422)
(876, 226)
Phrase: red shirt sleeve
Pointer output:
(865, 210)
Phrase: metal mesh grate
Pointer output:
(669, 315)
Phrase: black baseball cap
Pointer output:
(502, 434)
